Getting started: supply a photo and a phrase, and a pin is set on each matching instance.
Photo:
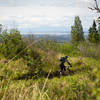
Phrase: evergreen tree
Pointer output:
(99, 28)
(93, 35)
(77, 33)
(0, 28)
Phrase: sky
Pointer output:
(45, 15)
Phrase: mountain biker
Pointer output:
(62, 66)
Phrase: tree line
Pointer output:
(77, 33)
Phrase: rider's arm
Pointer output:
(68, 62)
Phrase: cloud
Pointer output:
(60, 3)
(48, 13)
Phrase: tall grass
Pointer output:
(89, 49)
(17, 83)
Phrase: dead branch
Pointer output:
(96, 7)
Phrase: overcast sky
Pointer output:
(45, 15)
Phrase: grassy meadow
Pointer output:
(35, 74)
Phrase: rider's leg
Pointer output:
(68, 69)
(64, 67)
(61, 69)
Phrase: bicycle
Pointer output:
(65, 72)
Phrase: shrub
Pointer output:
(33, 61)
(11, 44)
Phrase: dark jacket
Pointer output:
(63, 60)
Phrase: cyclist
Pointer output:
(62, 66)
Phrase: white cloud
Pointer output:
(86, 0)
(56, 13)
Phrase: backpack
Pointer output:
(62, 60)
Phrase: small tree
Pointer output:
(33, 61)
(77, 33)
(0, 28)
(93, 35)
(99, 29)
(11, 43)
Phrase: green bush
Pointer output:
(33, 61)
(11, 44)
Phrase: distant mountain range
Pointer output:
(56, 37)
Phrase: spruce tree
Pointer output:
(99, 28)
(77, 33)
(93, 35)
(0, 28)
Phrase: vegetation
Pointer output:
(77, 30)
(0, 28)
(10, 46)
(29, 69)
(93, 35)
(99, 29)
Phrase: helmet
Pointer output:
(66, 56)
